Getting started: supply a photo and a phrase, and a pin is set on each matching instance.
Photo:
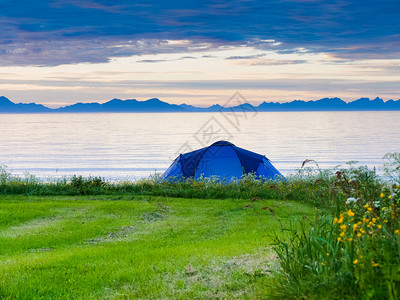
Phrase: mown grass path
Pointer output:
(139, 247)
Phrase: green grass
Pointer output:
(117, 247)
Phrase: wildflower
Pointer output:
(342, 233)
(396, 231)
(365, 220)
(335, 220)
(350, 239)
(355, 227)
(390, 196)
(340, 220)
(359, 223)
(350, 213)
(339, 239)
(374, 264)
(382, 195)
(362, 230)
(327, 254)
(351, 200)
(385, 221)
(355, 261)
(379, 226)
(343, 227)
(359, 234)
(369, 209)
(383, 208)
(373, 220)
(322, 263)
(366, 205)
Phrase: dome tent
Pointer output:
(222, 159)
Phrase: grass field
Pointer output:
(99, 247)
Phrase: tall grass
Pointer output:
(301, 186)
(352, 250)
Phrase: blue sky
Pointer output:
(198, 52)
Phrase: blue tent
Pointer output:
(221, 159)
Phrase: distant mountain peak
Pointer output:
(154, 100)
(215, 106)
(5, 101)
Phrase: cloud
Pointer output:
(53, 53)
(246, 57)
(165, 60)
(272, 62)
(72, 31)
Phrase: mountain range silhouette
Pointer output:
(156, 105)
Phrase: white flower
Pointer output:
(377, 203)
(351, 200)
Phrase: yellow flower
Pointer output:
(350, 239)
(340, 220)
(342, 234)
(374, 264)
(385, 221)
(366, 206)
(359, 223)
(327, 254)
(359, 234)
(369, 209)
(339, 239)
(350, 213)
(355, 261)
(382, 195)
(355, 227)
(383, 208)
(390, 196)
(322, 263)
(335, 220)
(365, 220)
(379, 226)
(396, 231)
(343, 227)
(374, 220)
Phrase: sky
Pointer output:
(198, 52)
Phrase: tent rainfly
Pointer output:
(222, 159)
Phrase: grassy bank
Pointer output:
(140, 246)
(211, 241)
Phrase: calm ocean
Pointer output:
(135, 145)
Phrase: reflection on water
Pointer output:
(132, 146)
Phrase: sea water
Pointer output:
(135, 145)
